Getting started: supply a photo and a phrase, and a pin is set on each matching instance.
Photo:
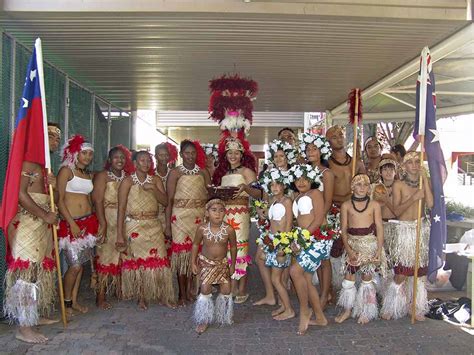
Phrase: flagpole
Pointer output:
(421, 137)
(418, 233)
(355, 125)
(39, 63)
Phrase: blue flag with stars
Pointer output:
(438, 171)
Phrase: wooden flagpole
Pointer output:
(418, 233)
(355, 125)
(421, 136)
(47, 158)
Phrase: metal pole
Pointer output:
(109, 127)
(12, 89)
(66, 108)
(92, 120)
(133, 128)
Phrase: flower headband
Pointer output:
(71, 149)
(233, 144)
(334, 129)
(370, 139)
(55, 130)
(211, 149)
(307, 171)
(276, 145)
(319, 141)
(273, 175)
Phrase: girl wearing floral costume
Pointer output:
(282, 156)
(317, 151)
(308, 209)
(281, 220)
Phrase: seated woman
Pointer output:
(78, 226)
(146, 272)
(308, 209)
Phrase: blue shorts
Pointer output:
(271, 260)
(310, 259)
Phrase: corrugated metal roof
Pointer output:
(163, 61)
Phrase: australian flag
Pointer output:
(425, 124)
(30, 139)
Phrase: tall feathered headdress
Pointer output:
(128, 167)
(231, 102)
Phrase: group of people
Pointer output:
(139, 226)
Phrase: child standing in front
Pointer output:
(362, 234)
(213, 267)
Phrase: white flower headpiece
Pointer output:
(309, 172)
(319, 141)
(273, 175)
(211, 149)
(287, 148)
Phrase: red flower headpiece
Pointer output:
(128, 166)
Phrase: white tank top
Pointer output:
(276, 211)
(78, 185)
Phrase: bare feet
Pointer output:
(190, 298)
(343, 316)
(304, 322)
(287, 314)
(142, 305)
(47, 321)
(385, 316)
(323, 301)
(278, 311)
(104, 305)
(171, 305)
(201, 328)
(265, 300)
(79, 308)
(181, 302)
(363, 320)
(420, 318)
(28, 335)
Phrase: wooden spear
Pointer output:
(355, 116)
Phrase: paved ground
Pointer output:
(124, 329)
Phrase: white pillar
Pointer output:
(133, 130)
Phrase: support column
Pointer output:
(66, 109)
(109, 127)
(133, 130)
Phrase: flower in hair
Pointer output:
(286, 147)
(319, 141)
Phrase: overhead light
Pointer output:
(247, 1)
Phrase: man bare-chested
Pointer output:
(406, 194)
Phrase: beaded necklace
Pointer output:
(360, 199)
(346, 162)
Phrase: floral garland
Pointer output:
(273, 175)
(287, 148)
(302, 237)
(211, 149)
(334, 222)
(309, 172)
(280, 241)
(319, 141)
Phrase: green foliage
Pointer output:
(456, 207)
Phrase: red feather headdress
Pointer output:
(73, 146)
(173, 153)
(200, 154)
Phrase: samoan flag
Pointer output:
(438, 173)
(30, 139)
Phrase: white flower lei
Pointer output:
(290, 152)
(308, 171)
(273, 175)
(319, 141)
(211, 149)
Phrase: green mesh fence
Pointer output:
(83, 119)
(80, 103)
(100, 136)
(4, 137)
(120, 132)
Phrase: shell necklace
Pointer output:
(136, 181)
(215, 237)
(114, 177)
(187, 171)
